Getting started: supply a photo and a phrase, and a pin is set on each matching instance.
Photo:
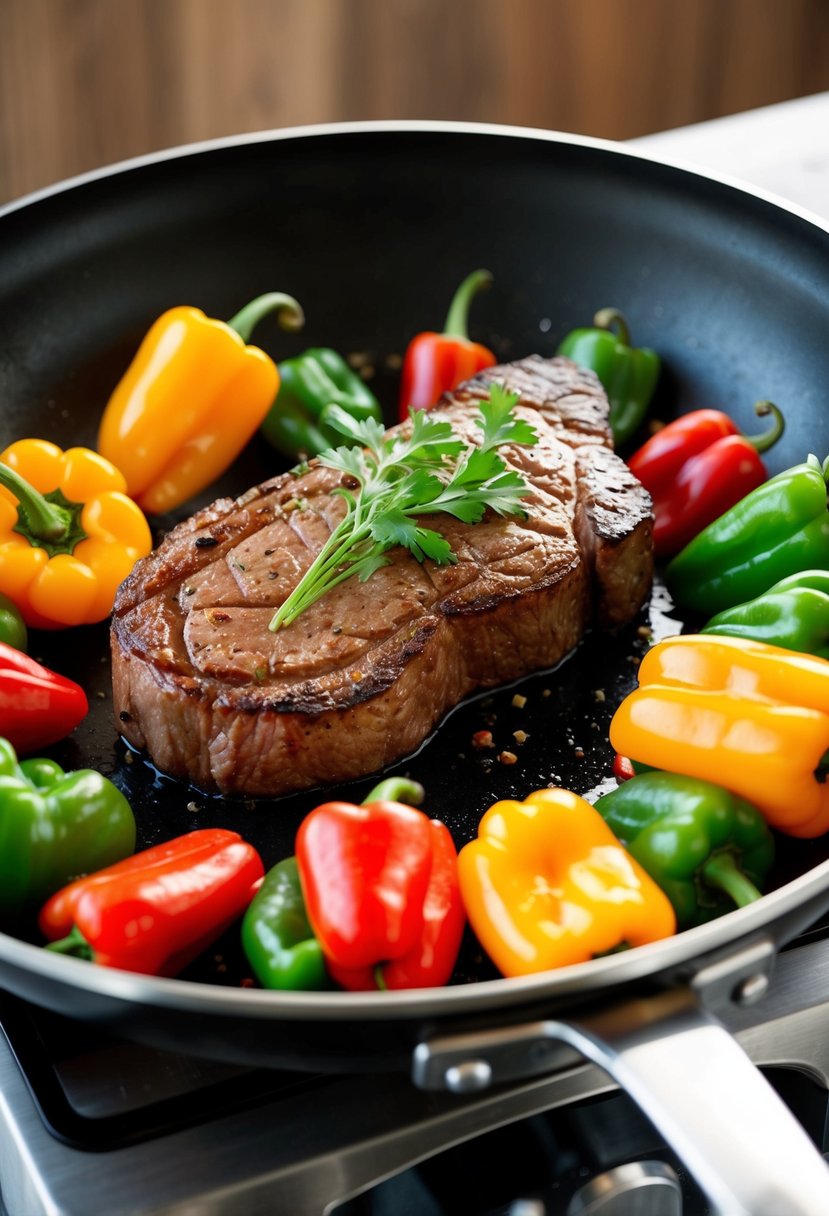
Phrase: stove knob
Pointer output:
(643, 1188)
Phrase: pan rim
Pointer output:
(692, 948)
(406, 126)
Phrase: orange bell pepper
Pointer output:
(547, 884)
(748, 716)
(190, 400)
(68, 533)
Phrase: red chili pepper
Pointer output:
(37, 706)
(698, 467)
(155, 912)
(623, 769)
(435, 363)
(381, 891)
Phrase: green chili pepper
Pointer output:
(55, 826)
(779, 529)
(628, 374)
(12, 628)
(794, 614)
(706, 848)
(309, 384)
(277, 937)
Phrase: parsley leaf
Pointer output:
(400, 477)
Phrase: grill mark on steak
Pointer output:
(363, 676)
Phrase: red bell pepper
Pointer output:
(435, 363)
(37, 706)
(156, 911)
(698, 467)
(381, 892)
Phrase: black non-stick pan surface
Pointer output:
(372, 229)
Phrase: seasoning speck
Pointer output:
(546, 692)
(508, 758)
(189, 590)
(206, 542)
(192, 807)
(600, 695)
(579, 753)
(259, 674)
(128, 758)
(101, 695)
(124, 716)
(482, 739)
(518, 702)
(644, 631)
(520, 736)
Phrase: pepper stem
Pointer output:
(397, 789)
(39, 518)
(721, 871)
(457, 319)
(382, 986)
(608, 318)
(289, 314)
(762, 443)
(74, 944)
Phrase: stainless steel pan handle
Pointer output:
(718, 1113)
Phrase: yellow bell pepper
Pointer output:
(748, 716)
(68, 533)
(190, 400)
(547, 884)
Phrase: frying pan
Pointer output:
(371, 227)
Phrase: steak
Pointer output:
(363, 675)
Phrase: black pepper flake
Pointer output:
(268, 552)
(206, 542)
(337, 629)
(273, 574)
(124, 716)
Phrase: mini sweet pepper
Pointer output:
(54, 826)
(381, 891)
(698, 466)
(707, 849)
(277, 937)
(309, 385)
(629, 374)
(155, 912)
(742, 714)
(37, 706)
(778, 529)
(69, 535)
(794, 614)
(434, 363)
(547, 884)
(190, 400)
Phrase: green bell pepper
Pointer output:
(12, 627)
(55, 826)
(628, 374)
(794, 614)
(309, 384)
(779, 529)
(706, 848)
(277, 937)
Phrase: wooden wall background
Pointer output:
(87, 82)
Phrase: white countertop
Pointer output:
(783, 149)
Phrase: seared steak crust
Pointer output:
(362, 677)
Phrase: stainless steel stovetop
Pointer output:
(89, 1123)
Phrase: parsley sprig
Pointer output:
(399, 479)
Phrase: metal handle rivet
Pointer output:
(468, 1077)
(751, 989)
